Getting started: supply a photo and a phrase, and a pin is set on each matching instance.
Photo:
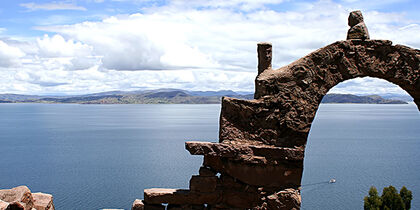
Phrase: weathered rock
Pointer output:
(358, 31)
(3, 205)
(137, 205)
(214, 149)
(203, 183)
(244, 152)
(154, 207)
(19, 196)
(214, 162)
(355, 18)
(43, 201)
(205, 171)
(239, 199)
(264, 56)
(287, 199)
(265, 175)
(174, 196)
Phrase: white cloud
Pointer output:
(52, 6)
(212, 38)
(199, 45)
(368, 86)
(57, 46)
(9, 55)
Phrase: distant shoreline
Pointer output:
(175, 96)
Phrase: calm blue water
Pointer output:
(103, 156)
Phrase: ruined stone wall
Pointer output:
(258, 162)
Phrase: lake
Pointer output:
(103, 156)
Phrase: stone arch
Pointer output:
(259, 157)
(287, 98)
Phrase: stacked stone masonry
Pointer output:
(258, 162)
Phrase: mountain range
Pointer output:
(369, 99)
(178, 96)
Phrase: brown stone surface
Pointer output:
(3, 205)
(245, 152)
(19, 195)
(154, 207)
(176, 196)
(137, 205)
(265, 175)
(287, 199)
(240, 199)
(43, 201)
(287, 98)
(355, 18)
(358, 29)
(264, 56)
(214, 149)
(205, 171)
(203, 183)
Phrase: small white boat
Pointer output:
(332, 181)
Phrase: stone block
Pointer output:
(286, 199)
(137, 205)
(265, 175)
(355, 18)
(215, 163)
(21, 196)
(358, 31)
(174, 196)
(203, 183)
(154, 207)
(240, 199)
(216, 149)
(43, 201)
(205, 171)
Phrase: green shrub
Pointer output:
(390, 199)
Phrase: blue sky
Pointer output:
(84, 46)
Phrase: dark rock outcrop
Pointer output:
(358, 29)
(258, 162)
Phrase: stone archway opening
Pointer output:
(360, 145)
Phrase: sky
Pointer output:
(67, 47)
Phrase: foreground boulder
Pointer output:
(43, 201)
(21, 198)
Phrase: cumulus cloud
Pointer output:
(57, 46)
(9, 55)
(200, 45)
(368, 86)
